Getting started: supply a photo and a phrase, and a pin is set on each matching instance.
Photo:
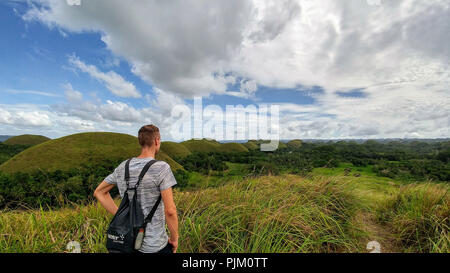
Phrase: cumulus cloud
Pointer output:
(176, 45)
(397, 53)
(72, 95)
(79, 114)
(23, 116)
(86, 110)
(113, 81)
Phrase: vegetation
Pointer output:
(232, 148)
(174, 149)
(256, 144)
(268, 214)
(75, 151)
(53, 188)
(8, 151)
(304, 197)
(251, 145)
(420, 217)
(29, 140)
(296, 143)
(204, 145)
(212, 146)
(203, 162)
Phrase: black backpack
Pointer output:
(126, 230)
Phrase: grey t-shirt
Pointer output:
(158, 178)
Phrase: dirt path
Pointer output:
(378, 233)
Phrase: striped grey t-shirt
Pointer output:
(158, 178)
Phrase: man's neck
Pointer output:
(147, 152)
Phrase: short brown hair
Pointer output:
(147, 135)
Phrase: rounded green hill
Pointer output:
(75, 150)
(232, 147)
(203, 145)
(252, 145)
(296, 143)
(282, 145)
(26, 140)
(256, 144)
(207, 146)
(174, 149)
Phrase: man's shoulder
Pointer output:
(163, 165)
(122, 164)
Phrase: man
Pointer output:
(159, 179)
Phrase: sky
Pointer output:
(337, 69)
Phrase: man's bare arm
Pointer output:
(170, 211)
(104, 197)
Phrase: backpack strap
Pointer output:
(127, 172)
(149, 217)
(144, 171)
(141, 176)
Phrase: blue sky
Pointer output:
(337, 70)
(35, 58)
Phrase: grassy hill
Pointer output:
(251, 145)
(268, 214)
(74, 150)
(296, 143)
(174, 149)
(232, 147)
(203, 145)
(26, 140)
(256, 144)
(206, 146)
(282, 145)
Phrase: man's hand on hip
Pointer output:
(174, 245)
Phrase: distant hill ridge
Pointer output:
(26, 140)
(75, 150)
(207, 146)
(4, 137)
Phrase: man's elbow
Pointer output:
(97, 194)
(171, 212)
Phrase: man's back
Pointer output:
(158, 178)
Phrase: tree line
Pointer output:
(397, 160)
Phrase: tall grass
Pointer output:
(50, 231)
(419, 216)
(270, 214)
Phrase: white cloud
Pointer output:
(72, 95)
(79, 114)
(333, 44)
(32, 92)
(397, 53)
(113, 81)
(23, 115)
(119, 111)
